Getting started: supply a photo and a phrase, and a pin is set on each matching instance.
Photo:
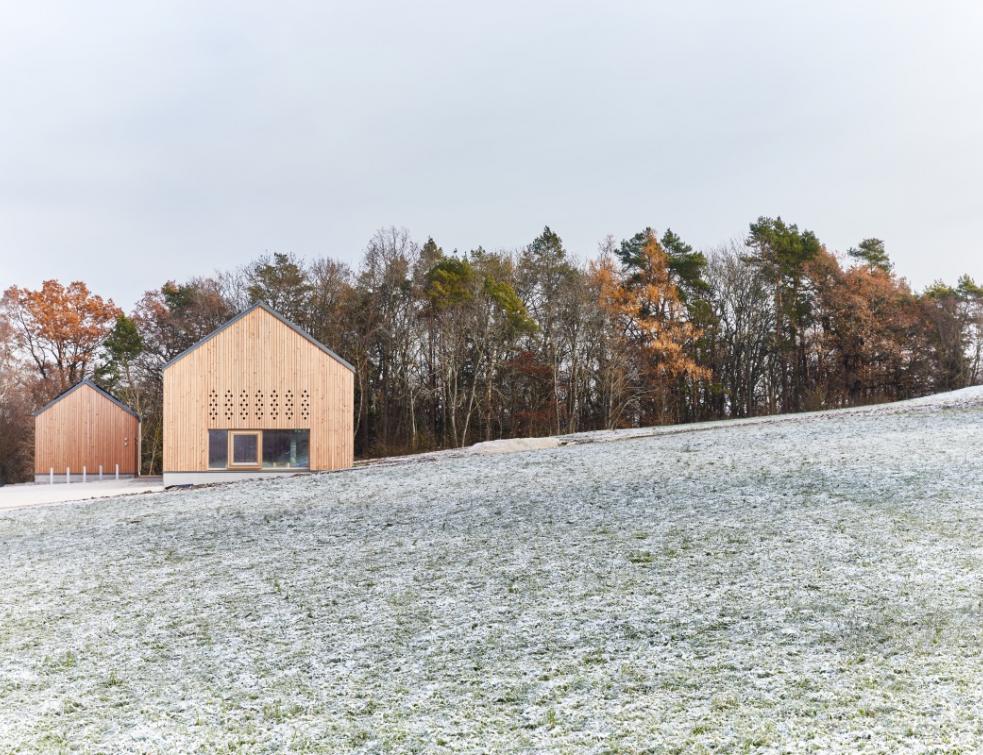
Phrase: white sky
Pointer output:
(151, 140)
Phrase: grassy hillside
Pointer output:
(810, 583)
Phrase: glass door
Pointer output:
(244, 448)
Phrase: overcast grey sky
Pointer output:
(142, 141)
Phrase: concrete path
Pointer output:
(39, 494)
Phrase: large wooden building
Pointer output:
(258, 396)
(82, 430)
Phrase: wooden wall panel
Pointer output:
(85, 428)
(255, 375)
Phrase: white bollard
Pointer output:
(100, 473)
(117, 471)
(68, 475)
(83, 473)
(51, 475)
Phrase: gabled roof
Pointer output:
(266, 308)
(96, 388)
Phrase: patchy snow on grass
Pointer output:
(810, 583)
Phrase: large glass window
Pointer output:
(286, 449)
(218, 449)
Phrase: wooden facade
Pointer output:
(86, 427)
(256, 373)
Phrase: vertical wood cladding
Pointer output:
(86, 428)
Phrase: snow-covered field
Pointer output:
(808, 584)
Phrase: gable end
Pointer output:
(269, 310)
(104, 393)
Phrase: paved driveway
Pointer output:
(39, 494)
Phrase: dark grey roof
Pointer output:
(89, 383)
(278, 316)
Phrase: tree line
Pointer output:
(451, 348)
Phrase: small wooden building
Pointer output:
(258, 396)
(82, 429)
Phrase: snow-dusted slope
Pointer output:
(806, 583)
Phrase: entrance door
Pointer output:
(244, 449)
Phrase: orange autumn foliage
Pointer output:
(60, 328)
(870, 335)
(651, 315)
(651, 337)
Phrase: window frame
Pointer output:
(257, 462)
